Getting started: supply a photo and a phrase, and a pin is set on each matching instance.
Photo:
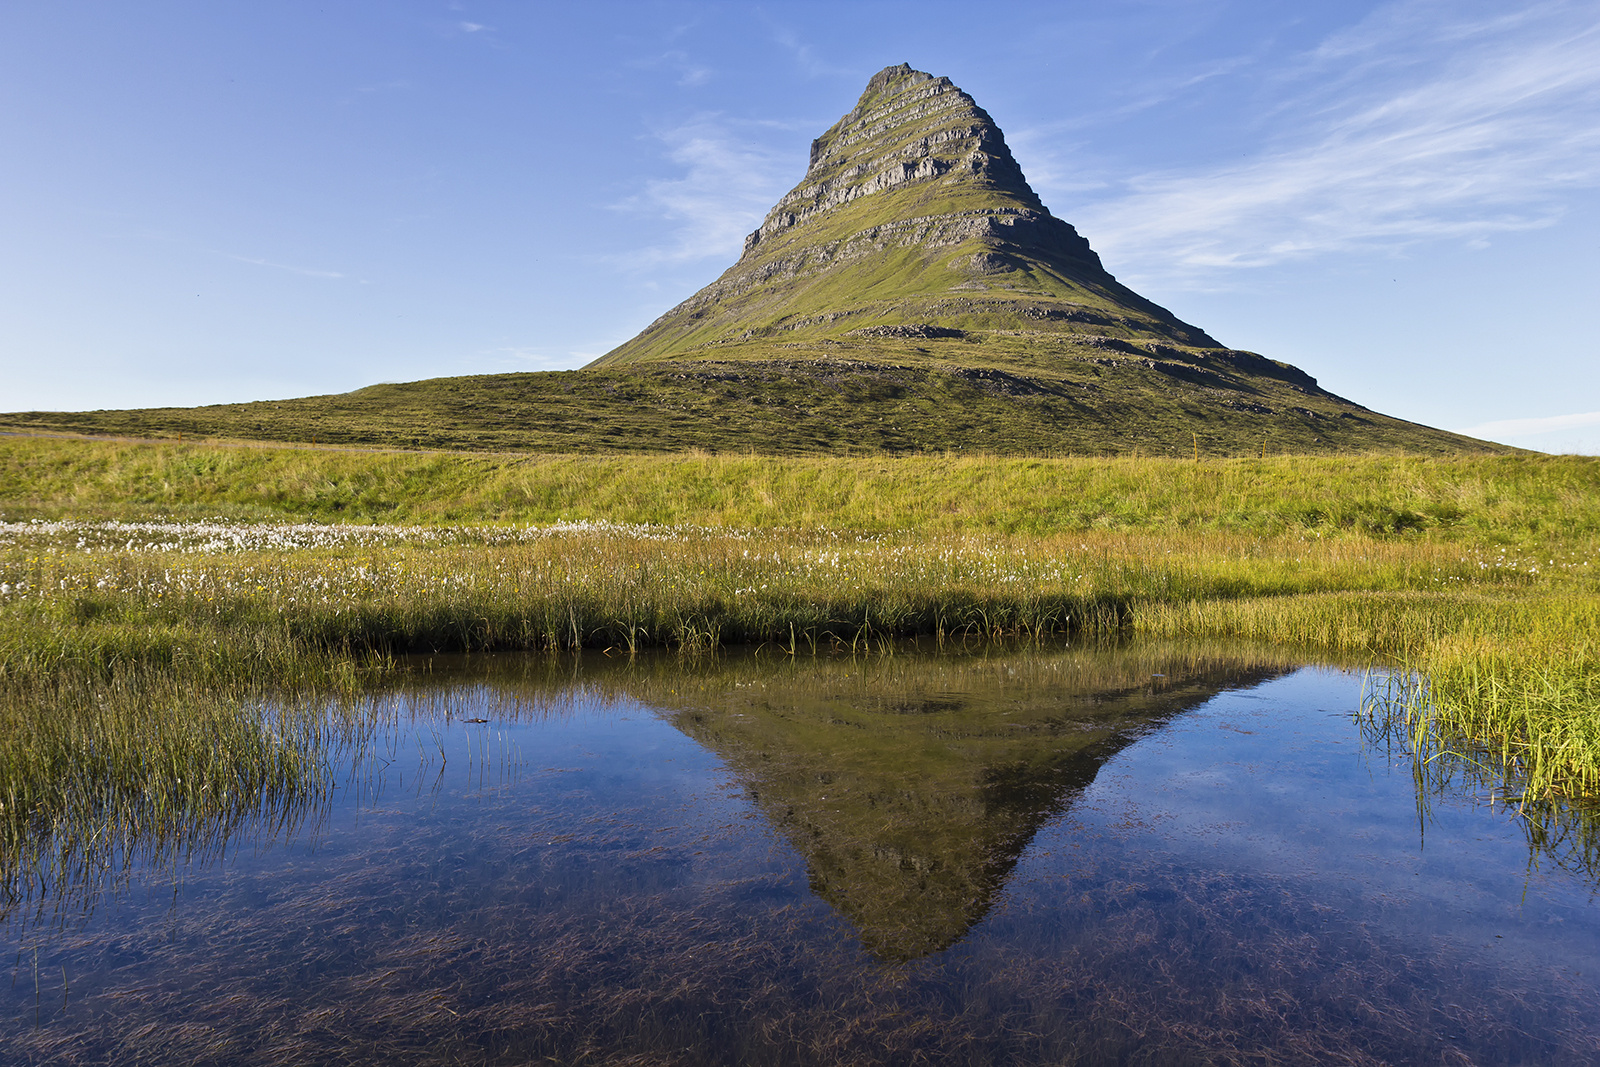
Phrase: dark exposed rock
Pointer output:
(918, 329)
(1195, 375)
(1001, 383)
(1112, 343)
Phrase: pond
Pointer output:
(1145, 854)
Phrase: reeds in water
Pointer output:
(143, 768)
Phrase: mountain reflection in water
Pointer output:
(911, 787)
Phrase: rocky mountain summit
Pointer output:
(912, 216)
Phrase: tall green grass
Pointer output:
(254, 610)
(1479, 499)
(87, 600)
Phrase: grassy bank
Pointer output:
(220, 599)
(218, 602)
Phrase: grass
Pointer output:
(1480, 573)
(1511, 500)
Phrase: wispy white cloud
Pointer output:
(804, 55)
(690, 72)
(1052, 153)
(1533, 427)
(522, 358)
(308, 272)
(728, 182)
(1412, 126)
(487, 36)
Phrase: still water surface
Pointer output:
(1132, 856)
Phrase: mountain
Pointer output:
(913, 223)
(911, 294)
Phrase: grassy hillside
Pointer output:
(1006, 396)
(912, 210)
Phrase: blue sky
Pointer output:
(216, 201)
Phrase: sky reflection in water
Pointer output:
(1153, 855)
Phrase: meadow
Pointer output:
(174, 619)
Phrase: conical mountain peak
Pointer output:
(913, 220)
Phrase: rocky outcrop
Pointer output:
(916, 329)
(909, 127)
